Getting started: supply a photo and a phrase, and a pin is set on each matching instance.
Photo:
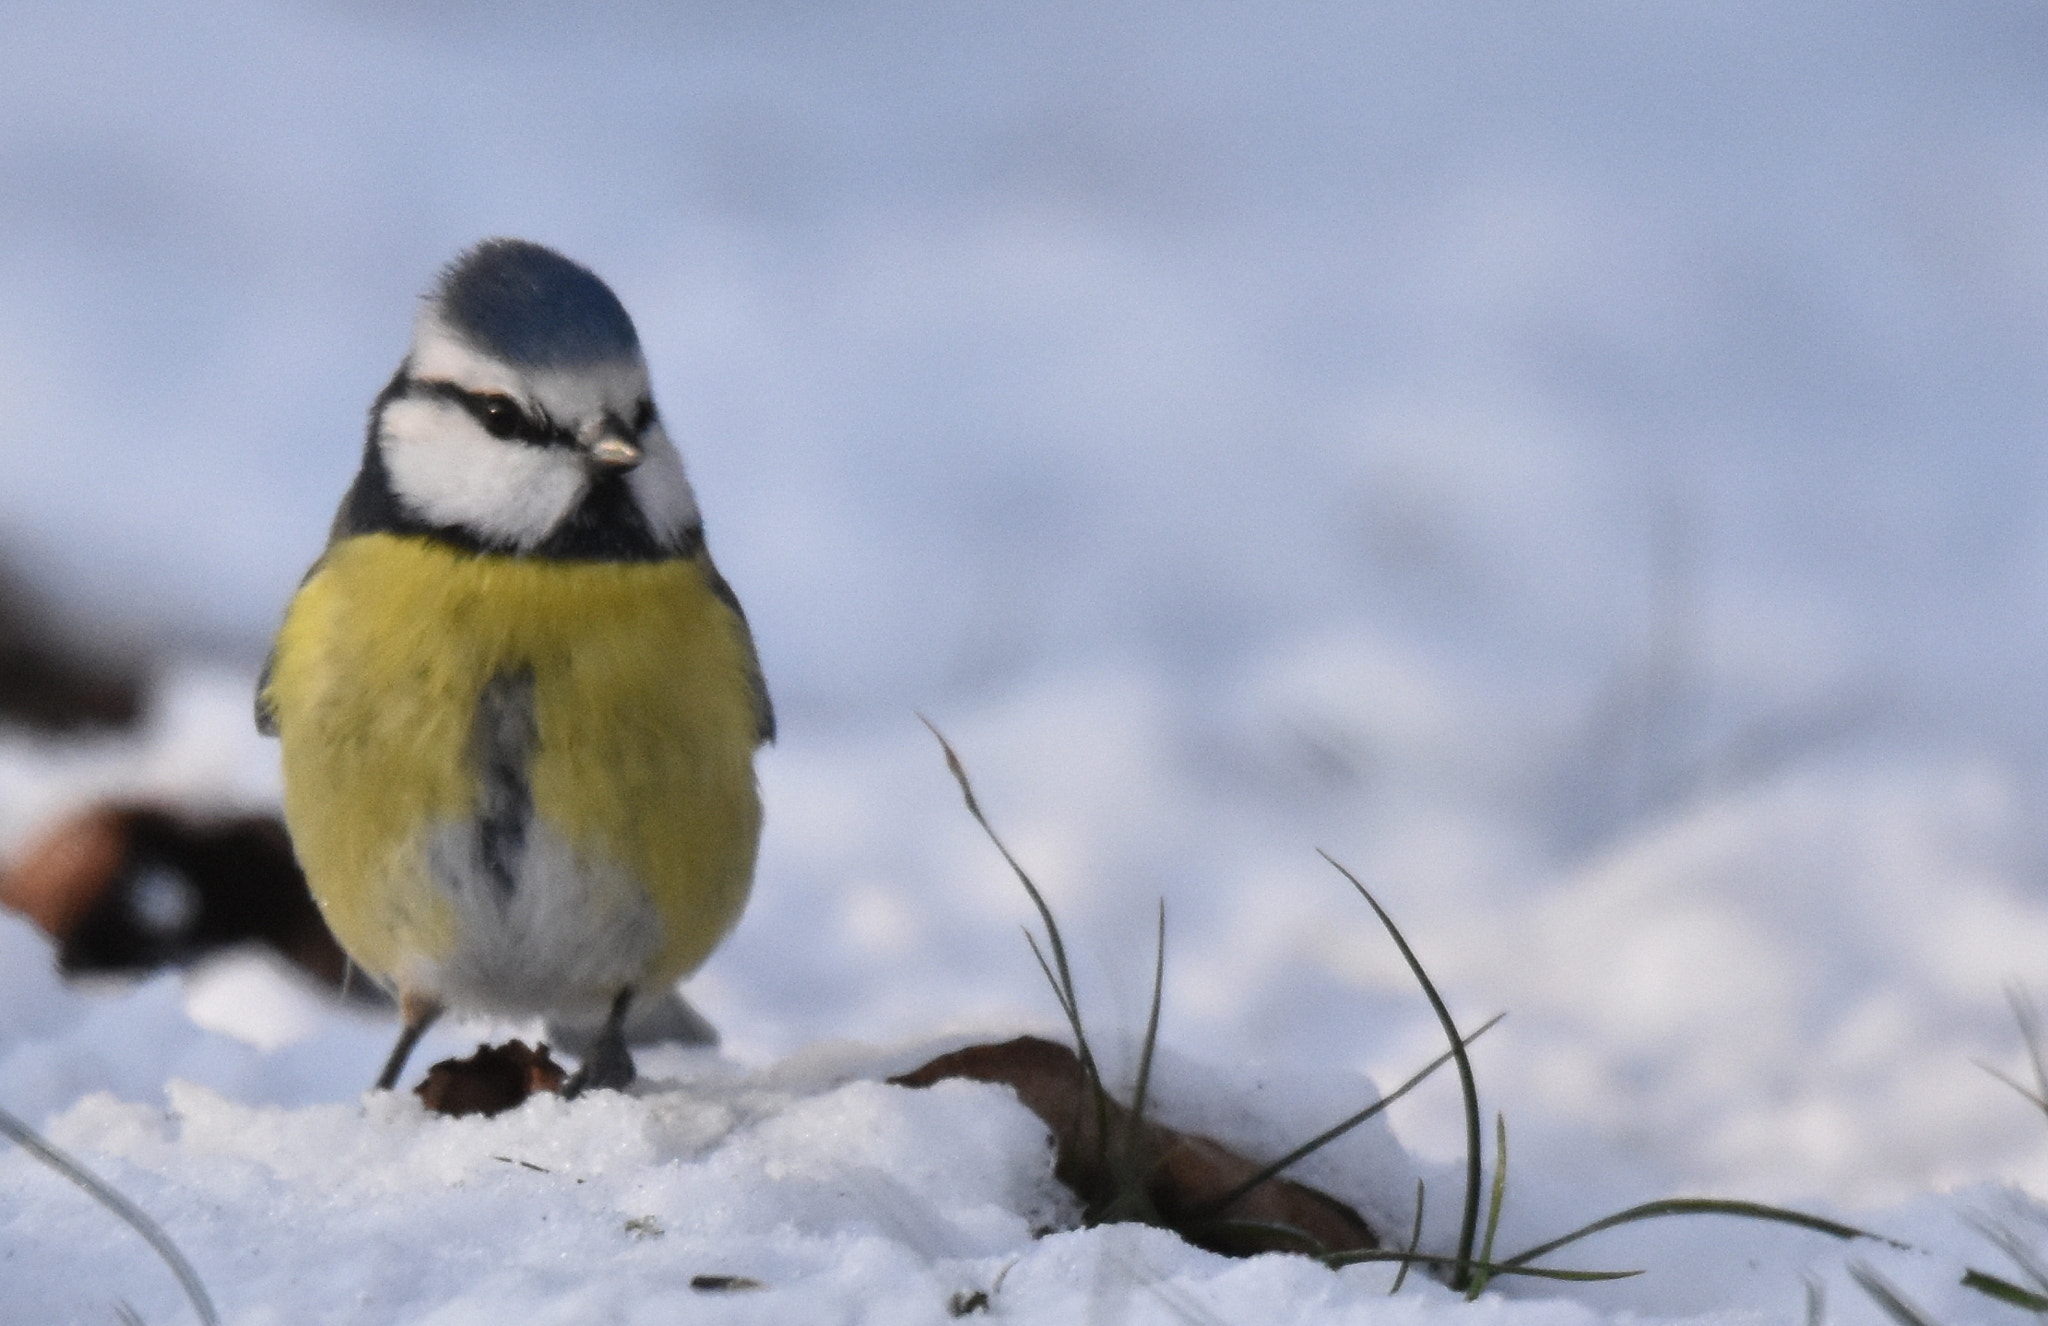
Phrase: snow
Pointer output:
(1576, 463)
(228, 1103)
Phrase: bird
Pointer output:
(517, 704)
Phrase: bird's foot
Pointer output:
(609, 1064)
(417, 1012)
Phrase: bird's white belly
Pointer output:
(568, 935)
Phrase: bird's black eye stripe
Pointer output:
(500, 415)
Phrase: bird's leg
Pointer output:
(418, 1012)
(609, 1063)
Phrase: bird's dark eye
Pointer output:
(643, 417)
(501, 417)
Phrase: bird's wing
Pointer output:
(266, 717)
(764, 708)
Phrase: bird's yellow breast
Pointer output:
(643, 722)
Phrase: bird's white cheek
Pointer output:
(662, 491)
(449, 471)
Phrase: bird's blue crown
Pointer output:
(530, 306)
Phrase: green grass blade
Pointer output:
(1337, 1259)
(1052, 929)
(1337, 1130)
(1896, 1305)
(1677, 1206)
(1414, 1240)
(1494, 1203)
(2038, 1102)
(1468, 1227)
(1091, 1080)
(152, 1233)
(1130, 1168)
(1283, 1237)
(1058, 972)
(2029, 1019)
(2005, 1291)
(1073, 1014)
(1151, 1042)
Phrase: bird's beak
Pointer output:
(610, 450)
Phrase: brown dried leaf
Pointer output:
(1183, 1174)
(494, 1079)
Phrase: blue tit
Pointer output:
(517, 703)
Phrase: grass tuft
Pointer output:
(1126, 1159)
(1473, 1265)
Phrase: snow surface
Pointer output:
(1576, 462)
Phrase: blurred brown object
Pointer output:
(491, 1081)
(54, 683)
(130, 888)
(1183, 1175)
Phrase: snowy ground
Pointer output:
(1577, 463)
(228, 1103)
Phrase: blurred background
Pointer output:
(1579, 463)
